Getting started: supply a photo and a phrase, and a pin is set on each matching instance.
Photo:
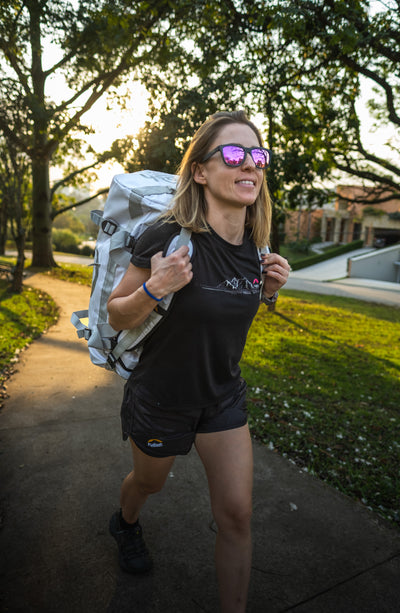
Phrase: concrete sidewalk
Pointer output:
(330, 277)
(62, 463)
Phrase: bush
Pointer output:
(301, 246)
(86, 250)
(65, 241)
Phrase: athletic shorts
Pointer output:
(164, 432)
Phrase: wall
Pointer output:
(302, 225)
(377, 265)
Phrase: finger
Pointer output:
(157, 256)
(183, 250)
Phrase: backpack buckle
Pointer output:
(108, 226)
(130, 244)
(111, 361)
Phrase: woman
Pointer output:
(187, 387)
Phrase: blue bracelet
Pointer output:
(149, 294)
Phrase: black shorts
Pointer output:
(164, 432)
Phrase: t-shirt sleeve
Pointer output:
(156, 238)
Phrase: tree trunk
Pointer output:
(274, 248)
(42, 251)
(3, 226)
(274, 236)
(18, 275)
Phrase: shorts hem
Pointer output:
(222, 428)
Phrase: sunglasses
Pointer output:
(235, 155)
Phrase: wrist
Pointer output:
(269, 299)
(151, 292)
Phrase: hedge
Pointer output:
(327, 255)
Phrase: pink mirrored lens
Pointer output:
(259, 158)
(233, 156)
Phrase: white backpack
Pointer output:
(134, 202)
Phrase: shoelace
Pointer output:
(133, 542)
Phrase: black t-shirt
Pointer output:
(192, 358)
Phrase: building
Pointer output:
(303, 224)
(347, 218)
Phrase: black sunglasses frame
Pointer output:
(246, 151)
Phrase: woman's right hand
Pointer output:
(170, 273)
(129, 305)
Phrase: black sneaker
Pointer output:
(133, 554)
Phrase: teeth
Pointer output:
(246, 182)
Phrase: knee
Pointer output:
(234, 517)
(144, 486)
(147, 488)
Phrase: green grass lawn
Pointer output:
(324, 384)
(324, 390)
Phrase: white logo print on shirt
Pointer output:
(236, 286)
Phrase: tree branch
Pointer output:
(368, 175)
(54, 213)
(370, 74)
(59, 64)
(12, 58)
(65, 180)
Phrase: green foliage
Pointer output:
(95, 47)
(301, 246)
(337, 47)
(371, 211)
(66, 241)
(69, 221)
(324, 391)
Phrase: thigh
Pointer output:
(149, 470)
(228, 460)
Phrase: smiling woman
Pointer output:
(187, 388)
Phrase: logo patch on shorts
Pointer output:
(155, 442)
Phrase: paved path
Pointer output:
(330, 277)
(62, 462)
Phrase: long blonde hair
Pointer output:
(190, 207)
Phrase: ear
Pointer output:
(198, 173)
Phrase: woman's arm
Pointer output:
(129, 305)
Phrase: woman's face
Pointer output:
(236, 187)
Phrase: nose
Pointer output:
(248, 161)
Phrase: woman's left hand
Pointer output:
(275, 273)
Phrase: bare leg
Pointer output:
(148, 477)
(228, 459)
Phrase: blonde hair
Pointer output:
(190, 207)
